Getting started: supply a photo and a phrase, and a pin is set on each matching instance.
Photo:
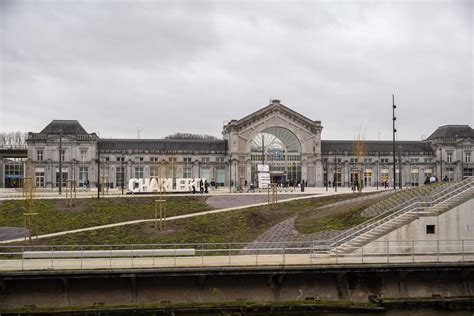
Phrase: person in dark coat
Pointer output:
(206, 186)
(427, 180)
(201, 188)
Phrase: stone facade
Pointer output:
(287, 141)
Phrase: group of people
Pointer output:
(203, 187)
(434, 179)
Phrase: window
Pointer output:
(449, 157)
(205, 160)
(119, 176)
(83, 175)
(206, 174)
(430, 229)
(414, 177)
(107, 159)
(39, 179)
(154, 159)
(139, 158)
(39, 155)
(139, 172)
(427, 160)
(353, 160)
(367, 160)
(467, 157)
(172, 159)
(63, 154)
(384, 160)
(83, 155)
(120, 159)
(155, 171)
(187, 171)
(414, 160)
(220, 159)
(187, 159)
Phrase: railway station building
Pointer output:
(290, 143)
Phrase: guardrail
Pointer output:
(413, 205)
(17, 258)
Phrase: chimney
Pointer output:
(275, 102)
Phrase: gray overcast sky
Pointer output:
(170, 66)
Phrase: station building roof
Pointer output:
(452, 131)
(376, 146)
(163, 145)
(65, 127)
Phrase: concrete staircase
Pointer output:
(395, 200)
(440, 200)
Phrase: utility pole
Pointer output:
(98, 169)
(400, 167)
(123, 171)
(378, 167)
(441, 164)
(335, 171)
(393, 149)
(60, 160)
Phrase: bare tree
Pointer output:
(191, 136)
(13, 138)
(360, 150)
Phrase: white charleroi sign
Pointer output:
(150, 185)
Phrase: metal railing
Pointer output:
(18, 258)
(413, 205)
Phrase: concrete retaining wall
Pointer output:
(224, 285)
(450, 228)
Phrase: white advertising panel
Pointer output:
(263, 180)
(263, 168)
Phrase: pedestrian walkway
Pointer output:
(317, 192)
(285, 231)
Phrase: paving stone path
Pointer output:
(7, 233)
(284, 232)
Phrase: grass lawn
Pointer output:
(334, 218)
(54, 215)
(234, 226)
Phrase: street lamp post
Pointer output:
(327, 174)
(394, 131)
(335, 171)
(123, 171)
(230, 174)
(441, 164)
(60, 160)
(98, 170)
(378, 167)
(400, 167)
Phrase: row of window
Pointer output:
(449, 158)
(467, 157)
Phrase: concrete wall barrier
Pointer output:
(108, 253)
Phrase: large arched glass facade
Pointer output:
(280, 149)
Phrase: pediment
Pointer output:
(272, 110)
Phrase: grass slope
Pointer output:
(234, 226)
(55, 216)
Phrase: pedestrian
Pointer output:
(201, 188)
(445, 179)
(427, 180)
(206, 186)
(194, 187)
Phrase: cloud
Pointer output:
(171, 66)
